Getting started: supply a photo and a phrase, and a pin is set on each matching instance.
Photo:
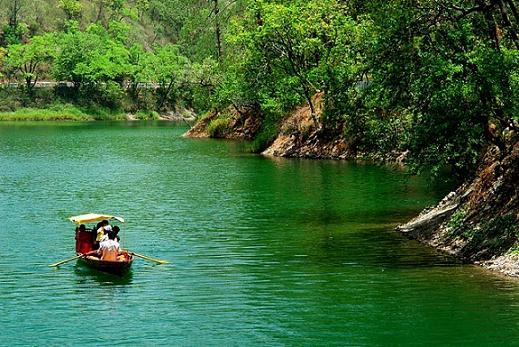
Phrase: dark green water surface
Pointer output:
(264, 252)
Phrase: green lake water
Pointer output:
(264, 252)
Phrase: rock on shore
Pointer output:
(479, 222)
(301, 136)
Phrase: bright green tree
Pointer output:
(28, 61)
(72, 8)
(169, 69)
(95, 61)
(296, 50)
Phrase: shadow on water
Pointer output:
(86, 273)
(369, 246)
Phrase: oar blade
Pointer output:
(158, 261)
(64, 261)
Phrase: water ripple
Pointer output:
(264, 252)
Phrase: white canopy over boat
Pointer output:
(93, 217)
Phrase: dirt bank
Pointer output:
(231, 123)
(301, 135)
(479, 222)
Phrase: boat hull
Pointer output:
(113, 267)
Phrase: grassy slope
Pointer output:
(65, 112)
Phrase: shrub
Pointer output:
(456, 223)
(218, 127)
(147, 115)
(267, 134)
(493, 237)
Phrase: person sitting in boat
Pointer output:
(116, 230)
(109, 249)
(83, 240)
(102, 228)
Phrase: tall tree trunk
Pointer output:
(13, 16)
(509, 24)
(491, 22)
(217, 29)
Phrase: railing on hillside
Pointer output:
(53, 84)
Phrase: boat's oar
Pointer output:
(66, 260)
(158, 261)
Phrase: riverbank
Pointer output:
(478, 223)
(300, 134)
(68, 112)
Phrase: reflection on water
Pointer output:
(265, 251)
(85, 274)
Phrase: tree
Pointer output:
(90, 56)
(28, 61)
(203, 79)
(169, 70)
(15, 30)
(199, 27)
(452, 67)
(72, 9)
(298, 47)
(95, 61)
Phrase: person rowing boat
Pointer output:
(109, 249)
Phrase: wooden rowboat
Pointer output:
(85, 243)
(113, 267)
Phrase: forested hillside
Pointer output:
(438, 78)
(106, 50)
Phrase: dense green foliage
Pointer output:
(108, 53)
(438, 78)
